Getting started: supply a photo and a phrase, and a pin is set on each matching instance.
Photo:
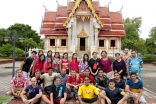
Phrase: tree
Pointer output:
(40, 45)
(25, 31)
(19, 51)
(150, 45)
(6, 49)
(132, 32)
(3, 32)
(153, 33)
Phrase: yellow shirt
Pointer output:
(87, 91)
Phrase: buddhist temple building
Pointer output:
(83, 26)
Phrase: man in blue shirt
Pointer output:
(134, 64)
(134, 87)
(33, 91)
(113, 94)
(63, 76)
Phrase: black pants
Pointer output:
(92, 100)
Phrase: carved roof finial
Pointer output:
(44, 7)
(57, 3)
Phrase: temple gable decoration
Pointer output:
(90, 6)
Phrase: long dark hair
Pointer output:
(39, 52)
(73, 56)
(51, 60)
(40, 58)
(64, 54)
(84, 57)
(58, 54)
(48, 52)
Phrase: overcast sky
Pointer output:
(31, 12)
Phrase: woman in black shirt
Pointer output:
(94, 64)
(119, 65)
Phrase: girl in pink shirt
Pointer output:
(38, 64)
(74, 64)
(47, 64)
(64, 63)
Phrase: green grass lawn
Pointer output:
(4, 99)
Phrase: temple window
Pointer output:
(112, 43)
(101, 43)
(52, 42)
(63, 42)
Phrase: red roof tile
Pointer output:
(59, 25)
(106, 27)
(117, 27)
(49, 17)
(111, 33)
(116, 18)
(95, 6)
(53, 32)
(104, 12)
(70, 6)
(48, 25)
(106, 21)
(60, 19)
(62, 11)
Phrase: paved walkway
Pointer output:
(148, 77)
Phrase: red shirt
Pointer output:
(74, 80)
(90, 77)
(19, 83)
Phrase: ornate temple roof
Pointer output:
(54, 23)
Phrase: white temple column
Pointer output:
(46, 45)
(96, 39)
(69, 39)
(107, 44)
(91, 42)
(74, 32)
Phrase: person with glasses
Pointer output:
(134, 64)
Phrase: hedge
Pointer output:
(148, 61)
(19, 58)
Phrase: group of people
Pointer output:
(92, 81)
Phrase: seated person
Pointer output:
(101, 80)
(134, 87)
(33, 92)
(120, 83)
(87, 73)
(48, 80)
(113, 94)
(18, 84)
(63, 76)
(87, 92)
(39, 79)
(73, 84)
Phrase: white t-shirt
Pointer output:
(48, 80)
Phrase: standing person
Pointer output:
(49, 54)
(87, 73)
(113, 94)
(49, 63)
(119, 83)
(63, 76)
(134, 87)
(18, 84)
(101, 80)
(73, 84)
(119, 66)
(58, 93)
(56, 62)
(32, 94)
(38, 64)
(126, 56)
(39, 53)
(134, 64)
(74, 63)
(94, 64)
(64, 63)
(25, 65)
(84, 63)
(87, 92)
(106, 64)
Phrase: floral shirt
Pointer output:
(83, 66)
(19, 83)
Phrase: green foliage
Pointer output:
(153, 33)
(40, 45)
(3, 32)
(19, 52)
(148, 56)
(19, 58)
(6, 49)
(132, 32)
(149, 61)
(29, 43)
(150, 45)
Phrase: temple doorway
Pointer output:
(82, 44)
